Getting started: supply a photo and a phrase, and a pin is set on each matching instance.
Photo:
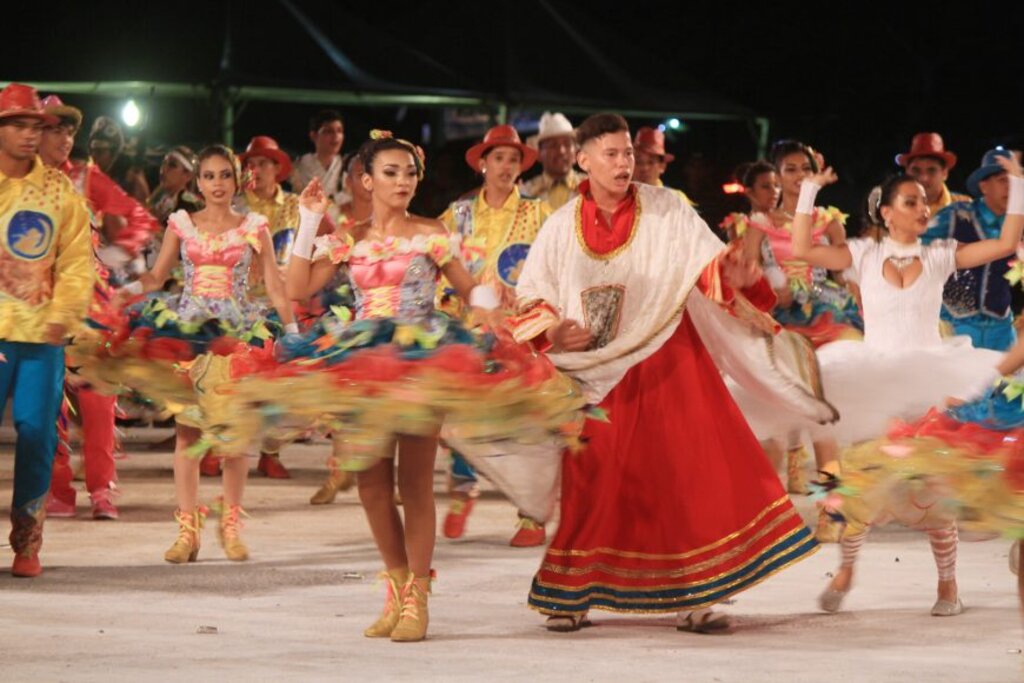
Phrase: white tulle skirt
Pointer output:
(870, 387)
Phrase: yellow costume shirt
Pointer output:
(495, 241)
(553, 192)
(46, 259)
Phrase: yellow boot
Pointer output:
(796, 479)
(412, 625)
(186, 547)
(227, 532)
(382, 628)
(337, 480)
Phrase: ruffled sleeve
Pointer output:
(858, 248)
(337, 248)
(442, 248)
(181, 225)
(736, 221)
(256, 227)
(824, 216)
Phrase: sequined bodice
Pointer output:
(401, 287)
(395, 277)
(216, 269)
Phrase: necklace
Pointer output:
(901, 262)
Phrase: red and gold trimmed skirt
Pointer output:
(672, 505)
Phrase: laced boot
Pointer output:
(186, 547)
(227, 532)
(337, 480)
(412, 625)
(382, 628)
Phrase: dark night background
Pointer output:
(856, 82)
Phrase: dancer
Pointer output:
(891, 374)
(671, 507)
(216, 246)
(46, 274)
(122, 229)
(977, 301)
(395, 260)
(810, 301)
(497, 227)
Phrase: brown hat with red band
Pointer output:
(927, 145)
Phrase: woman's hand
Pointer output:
(313, 197)
(1010, 165)
(825, 177)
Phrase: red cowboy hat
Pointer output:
(18, 99)
(652, 141)
(500, 136)
(927, 145)
(266, 146)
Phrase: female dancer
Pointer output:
(893, 372)
(810, 302)
(216, 246)
(395, 259)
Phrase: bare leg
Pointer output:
(416, 484)
(186, 469)
(235, 472)
(376, 493)
(826, 456)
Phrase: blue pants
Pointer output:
(462, 473)
(997, 334)
(33, 374)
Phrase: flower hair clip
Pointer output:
(378, 134)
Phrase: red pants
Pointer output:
(97, 414)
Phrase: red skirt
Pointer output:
(672, 505)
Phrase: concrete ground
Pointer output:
(108, 608)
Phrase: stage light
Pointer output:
(131, 114)
(732, 188)
(674, 123)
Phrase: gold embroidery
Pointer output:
(689, 606)
(617, 250)
(689, 569)
(676, 556)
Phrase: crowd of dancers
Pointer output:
(582, 339)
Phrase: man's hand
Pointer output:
(54, 333)
(568, 335)
(739, 271)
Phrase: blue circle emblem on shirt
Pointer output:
(29, 235)
(510, 262)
